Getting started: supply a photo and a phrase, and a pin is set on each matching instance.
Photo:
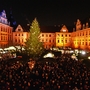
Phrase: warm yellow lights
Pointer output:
(49, 55)
(89, 57)
(83, 52)
(64, 30)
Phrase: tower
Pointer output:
(12, 20)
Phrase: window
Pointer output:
(19, 29)
(49, 40)
(62, 41)
(42, 35)
(58, 34)
(64, 30)
(15, 40)
(50, 35)
(65, 41)
(58, 41)
(42, 40)
(82, 43)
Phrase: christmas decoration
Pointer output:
(33, 44)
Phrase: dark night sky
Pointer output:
(48, 12)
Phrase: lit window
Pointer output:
(58, 34)
(42, 35)
(64, 30)
(42, 40)
(50, 35)
(62, 41)
(46, 40)
(19, 29)
(58, 41)
(49, 40)
(65, 41)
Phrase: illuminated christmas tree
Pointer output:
(34, 46)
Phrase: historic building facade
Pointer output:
(78, 38)
(81, 37)
(19, 36)
(48, 39)
(5, 31)
(63, 38)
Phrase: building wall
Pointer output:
(63, 39)
(81, 39)
(19, 36)
(5, 31)
(48, 39)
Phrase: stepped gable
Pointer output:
(3, 18)
(85, 23)
(67, 28)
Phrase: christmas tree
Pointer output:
(33, 44)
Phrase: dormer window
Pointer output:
(64, 30)
(19, 29)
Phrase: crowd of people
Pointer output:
(62, 74)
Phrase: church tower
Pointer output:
(12, 20)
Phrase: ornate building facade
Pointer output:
(5, 31)
(78, 38)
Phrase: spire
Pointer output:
(12, 20)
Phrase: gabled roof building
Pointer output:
(51, 36)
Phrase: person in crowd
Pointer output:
(63, 74)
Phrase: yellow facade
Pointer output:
(63, 38)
